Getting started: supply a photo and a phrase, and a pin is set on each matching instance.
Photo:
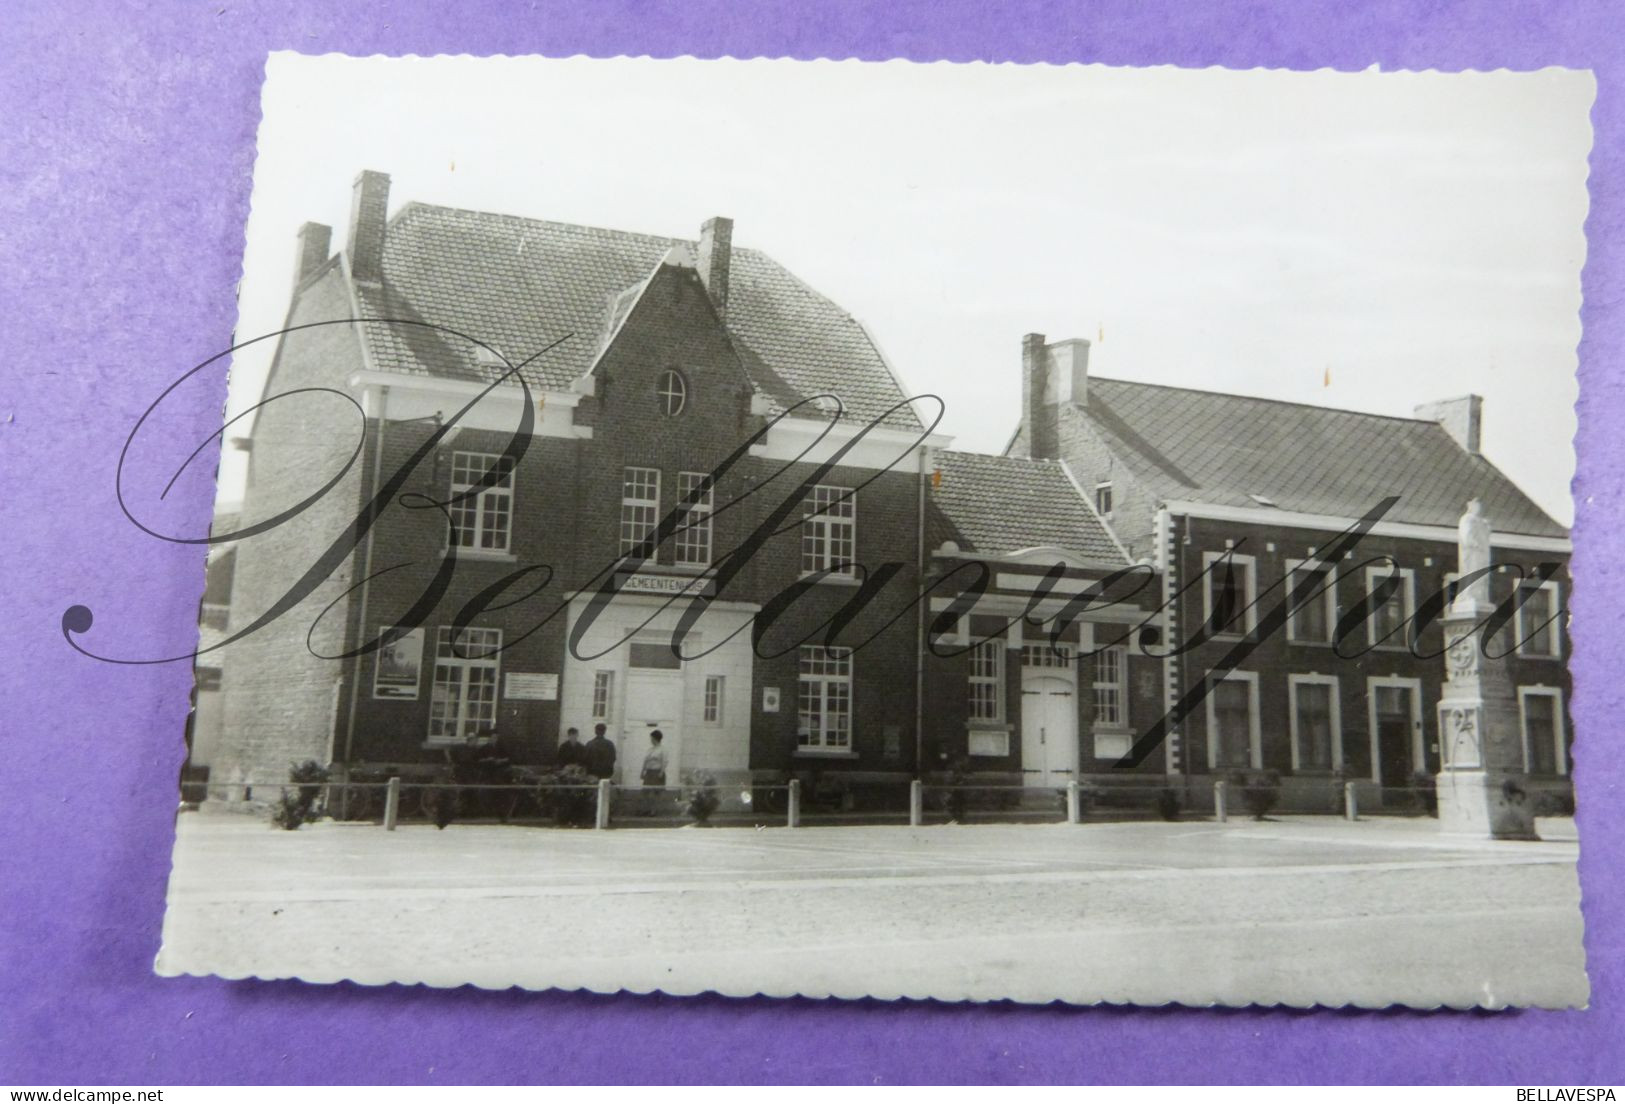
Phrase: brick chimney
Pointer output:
(1069, 370)
(1037, 406)
(314, 242)
(368, 211)
(1462, 418)
(713, 259)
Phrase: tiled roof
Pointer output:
(520, 284)
(996, 505)
(1224, 449)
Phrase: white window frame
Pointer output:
(640, 514)
(1407, 599)
(692, 542)
(465, 725)
(467, 469)
(1328, 596)
(1119, 686)
(603, 695)
(1249, 588)
(666, 395)
(1559, 729)
(986, 674)
(1418, 751)
(1103, 498)
(829, 520)
(1255, 738)
(1335, 713)
(1555, 625)
(828, 739)
(712, 701)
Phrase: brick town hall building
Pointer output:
(662, 358)
(844, 598)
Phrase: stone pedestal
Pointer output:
(1480, 789)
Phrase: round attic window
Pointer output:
(671, 392)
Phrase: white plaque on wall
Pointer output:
(528, 686)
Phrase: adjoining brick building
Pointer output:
(1233, 498)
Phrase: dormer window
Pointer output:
(1103, 499)
(671, 392)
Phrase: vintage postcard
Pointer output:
(892, 530)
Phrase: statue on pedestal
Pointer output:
(1472, 558)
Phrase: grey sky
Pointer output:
(1370, 240)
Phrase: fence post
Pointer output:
(602, 818)
(1218, 801)
(392, 803)
(1074, 811)
(1351, 803)
(794, 819)
(916, 803)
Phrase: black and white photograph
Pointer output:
(884, 530)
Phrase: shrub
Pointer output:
(1260, 791)
(297, 805)
(1168, 803)
(702, 797)
(572, 807)
(440, 804)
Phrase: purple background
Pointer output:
(126, 151)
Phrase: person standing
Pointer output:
(653, 773)
(599, 754)
(571, 750)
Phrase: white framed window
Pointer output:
(640, 507)
(1047, 655)
(603, 694)
(987, 681)
(829, 531)
(1540, 713)
(463, 704)
(1385, 624)
(824, 699)
(1233, 739)
(1315, 618)
(1538, 620)
(484, 520)
(1229, 593)
(713, 699)
(1103, 499)
(693, 540)
(671, 392)
(1315, 717)
(1111, 687)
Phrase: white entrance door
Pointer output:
(654, 699)
(1049, 729)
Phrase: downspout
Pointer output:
(919, 640)
(366, 577)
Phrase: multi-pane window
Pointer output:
(694, 533)
(1230, 712)
(463, 705)
(1537, 620)
(603, 693)
(1543, 752)
(1314, 616)
(1103, 499)
(829, 530)
(640, 508)
(987, 681)
(824, 698)
(671, 392)
(1111, 686)
(482, 520)
(1229, 588)
(713, 699)
(1314, 722)
(1392, 593)
(1046, 655)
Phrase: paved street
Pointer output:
(1296, 910)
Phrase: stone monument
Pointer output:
(1480, 782)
